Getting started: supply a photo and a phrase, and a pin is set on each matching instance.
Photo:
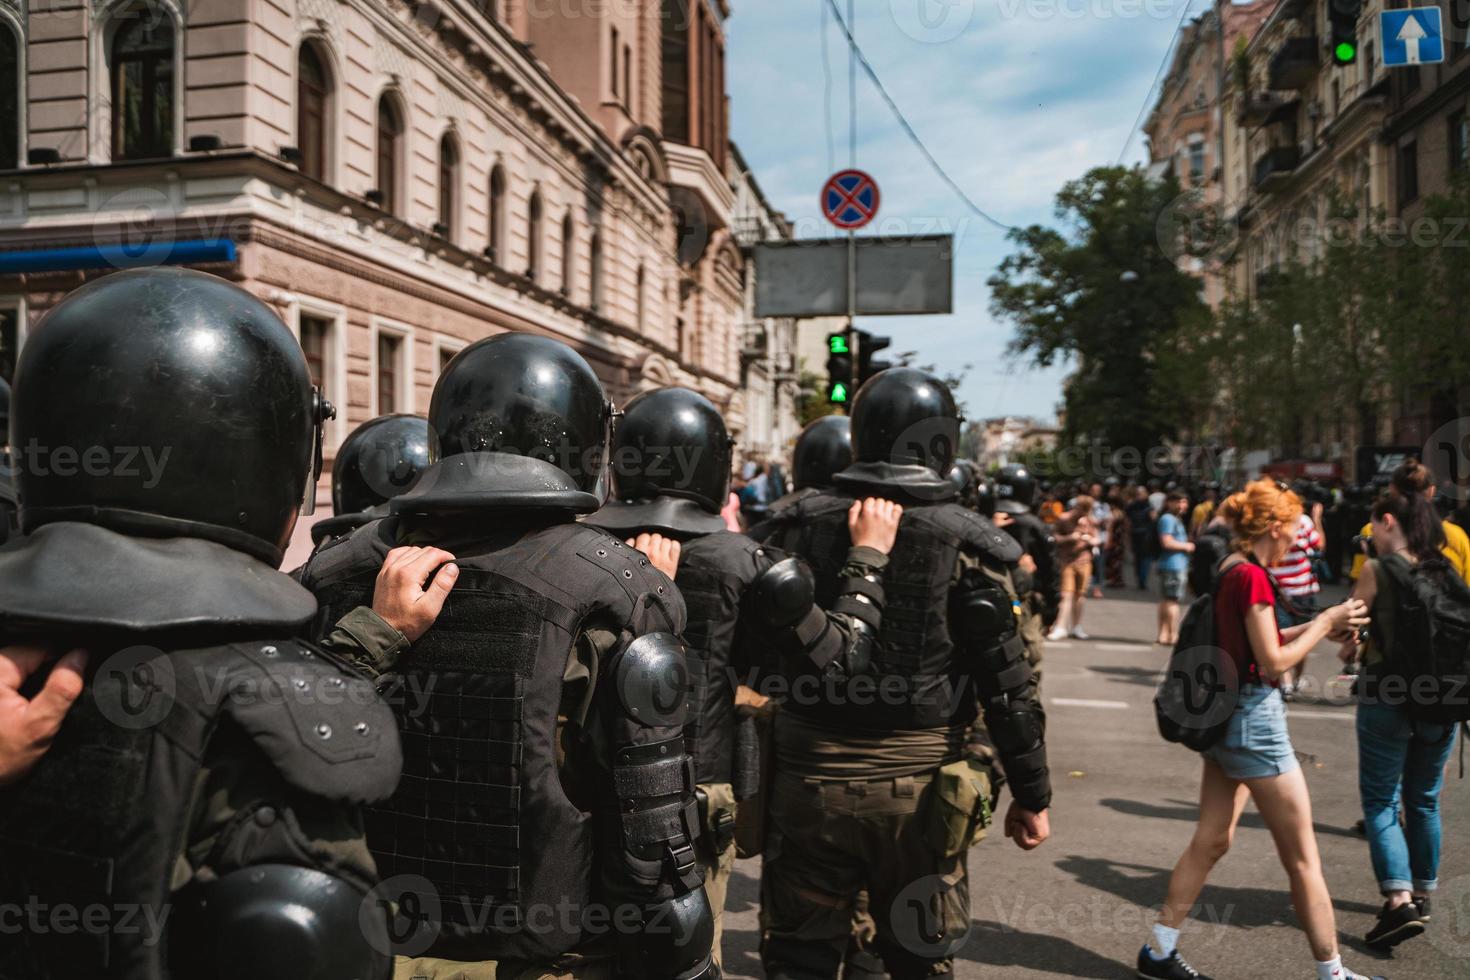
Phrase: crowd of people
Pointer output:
(552, 667)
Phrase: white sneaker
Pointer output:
(1057, 633)
(1077, 634)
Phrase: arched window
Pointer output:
(448, 186)
(313, 111)
(10, 87)
(142, 83)
(596, 290)
(533, 238)
(390, 134)
(568, 255)
(496, 245)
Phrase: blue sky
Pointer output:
(1014, 97)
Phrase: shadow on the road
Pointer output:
(1189, 812)
(1239, 908)
(1142, 676)
(995, 944)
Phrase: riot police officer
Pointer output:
(871, 788)
(378, 461)
(823, 448)
(547, 818)
(671, 473)
(205, 791)
(1038, 576)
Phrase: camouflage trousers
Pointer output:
(828, 842)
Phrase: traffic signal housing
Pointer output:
(839, 369)
(868, 345)
(1342, 21)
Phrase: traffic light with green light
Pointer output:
(1342, 18)
(839, 369)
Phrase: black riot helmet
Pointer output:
(1015, 489)
(379, 461)
(167, 403)
(517, 421)
(906, 417)
(965, 476)
(672, 442)
(985, 498)
(823, 449)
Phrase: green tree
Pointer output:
(1103, 292)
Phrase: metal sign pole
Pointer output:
(853, 342)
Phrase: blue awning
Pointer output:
(192, 252)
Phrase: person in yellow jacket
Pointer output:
(1456, 546)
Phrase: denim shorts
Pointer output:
(1256, 745)
(1172, 585)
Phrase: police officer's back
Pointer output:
(547, 807)
(671, 471)
(862, 759)
(205, 791)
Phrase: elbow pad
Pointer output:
(985, 622)
(653, 776)
(676, 942)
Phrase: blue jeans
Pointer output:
(1401, 764)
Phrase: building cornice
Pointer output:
(507, 65)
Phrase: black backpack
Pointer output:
(1210, 549)
(1201, 685)
(1429, 664)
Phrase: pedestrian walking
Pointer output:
(1401, 756)
(1075, 536)
(1298, 583)
(1173, 566)
(1141, 519)
(1254, 759)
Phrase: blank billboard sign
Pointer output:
(895, 276)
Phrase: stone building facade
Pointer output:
(397, 178)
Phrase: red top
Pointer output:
(1244, 585)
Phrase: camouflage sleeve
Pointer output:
(368, 642)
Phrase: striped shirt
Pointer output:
(1293, 573)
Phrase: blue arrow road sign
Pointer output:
(1411, 37)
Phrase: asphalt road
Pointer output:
(1082, 905)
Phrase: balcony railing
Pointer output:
(1295, 64)
(1275, 163)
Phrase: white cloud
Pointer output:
(1013, 106)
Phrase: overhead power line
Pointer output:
(906, 126)
(1148, 96)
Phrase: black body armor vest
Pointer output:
(714, 572)
(97, 826)
(919, 681)
(481, 812)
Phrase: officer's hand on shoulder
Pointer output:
(873, 523)
(662, 552)
(27, 726)
(401, 597)
(1029, 830)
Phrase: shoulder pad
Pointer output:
(652, 679)
(784, 593)
(321, 724)
(977, 535)
(633, 572)
(342, 557)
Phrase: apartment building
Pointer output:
(397, 178)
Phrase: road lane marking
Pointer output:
(1088, 703)
(1059, 644)
(1124, 647)
(1329, 715)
